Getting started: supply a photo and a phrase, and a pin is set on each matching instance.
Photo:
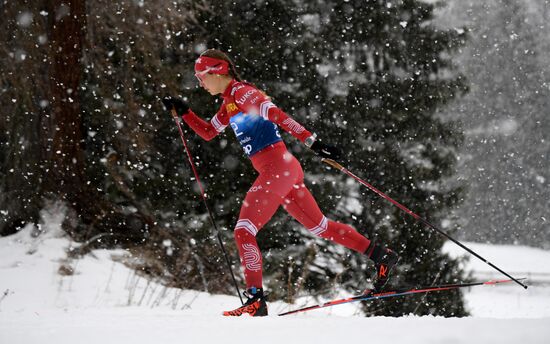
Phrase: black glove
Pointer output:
(326, 151)
(181, 106)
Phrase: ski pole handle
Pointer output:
(174, 113)
(332, 163)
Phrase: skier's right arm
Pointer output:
(206, 130)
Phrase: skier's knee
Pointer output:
(246, 225)
(320, 228)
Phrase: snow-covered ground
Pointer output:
(105, 302)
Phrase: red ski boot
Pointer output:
(255, 306)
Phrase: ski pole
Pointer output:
(203, 195)
(400, 206)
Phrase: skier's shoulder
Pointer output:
(234, 101)
(247, 94)
(241, 87)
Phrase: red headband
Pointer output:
(211, 65)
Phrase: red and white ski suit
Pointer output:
(251, 114)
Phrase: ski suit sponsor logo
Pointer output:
(252, 258)
(244, 97)
(253, 132)
(255, 188)
(276, 130)
(246, 140)
(214, 68)
(236, 129)
(231, 107)
(236, 88)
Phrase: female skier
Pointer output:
(254, 119)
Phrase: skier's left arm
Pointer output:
(253, 101)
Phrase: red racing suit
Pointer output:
(254, 119)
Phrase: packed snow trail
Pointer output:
(141, 325)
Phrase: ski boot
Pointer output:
(384, 261)
(255, 306)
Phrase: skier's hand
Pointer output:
(181, 106)
(326, 151)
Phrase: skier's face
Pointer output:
(213, 83)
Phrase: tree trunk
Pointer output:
(63, 153)
(65, 172)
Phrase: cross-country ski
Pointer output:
(394, 293)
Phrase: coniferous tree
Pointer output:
(391, 70)
(23, 100)
(51, 116)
